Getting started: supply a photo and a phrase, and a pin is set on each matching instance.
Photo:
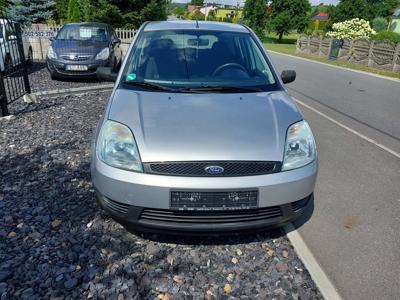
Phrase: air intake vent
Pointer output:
(198, 169)
(160, 215)
(116, 207)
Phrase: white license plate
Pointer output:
(76, 68)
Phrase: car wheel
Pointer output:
(115, 65)
(53, 75)
(29, 59)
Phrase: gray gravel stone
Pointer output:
(44, 175)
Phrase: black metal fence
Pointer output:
(14, 57)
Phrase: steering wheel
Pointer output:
(229, 65)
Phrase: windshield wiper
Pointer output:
(150, 86)
(222, 89)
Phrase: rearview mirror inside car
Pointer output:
(288, 76)
(198, 42)
(106, 74)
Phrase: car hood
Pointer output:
(206, 127)
(77, 47)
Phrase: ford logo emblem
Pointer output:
(214, 170)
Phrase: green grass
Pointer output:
(288, 46)
(287, 39)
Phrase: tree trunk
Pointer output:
(280, 36)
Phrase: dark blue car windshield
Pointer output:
(198, 58)
(78, 32)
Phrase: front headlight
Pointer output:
(51, 53)
(300, 147)
(103, 54)
(116, 147)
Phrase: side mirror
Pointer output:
(116, 41)
(106, 74)
(288, 76)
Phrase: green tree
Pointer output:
(385, 9)
(379, 24)
(288, 15)
(179, 10)
(61, 9)
(30, 11)
(350, 9)
(74, 11)
(255, 15)
(197, 2)
(124, 13)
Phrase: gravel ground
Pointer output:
(56, 243)
(39, 78)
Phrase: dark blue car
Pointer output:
(80, 48)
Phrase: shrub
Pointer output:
(379, 24)
(387, 35)
(196, 15)
(351, 29)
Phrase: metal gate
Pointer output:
(14, 81)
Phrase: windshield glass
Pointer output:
(182, 59)
(83, 33)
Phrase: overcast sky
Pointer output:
(234, 2)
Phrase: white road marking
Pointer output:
(383, 147)
(322, 281)
(337, 67)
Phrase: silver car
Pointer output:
(200, 134)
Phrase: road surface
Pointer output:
(354, 232)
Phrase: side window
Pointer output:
(259, 63)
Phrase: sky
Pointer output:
(234, 2)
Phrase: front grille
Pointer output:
(300, 204)
(231, 168)
(201, 217)
(116, 207)
(76, 57)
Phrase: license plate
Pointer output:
(211, 201)
(76, 68)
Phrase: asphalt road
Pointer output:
(354, 232)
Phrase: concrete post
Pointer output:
(371, 49)
(330, 48)
(320, 46)
(396, 67)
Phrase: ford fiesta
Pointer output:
(200, 135)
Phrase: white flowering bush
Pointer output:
(351, 29)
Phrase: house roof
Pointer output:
(321, 17)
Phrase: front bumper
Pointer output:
(58, 67)
(143, 200)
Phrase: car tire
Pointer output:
(114, 64)
(53, 76)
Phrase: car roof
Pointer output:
(90, 24)
(194, 25)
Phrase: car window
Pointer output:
(83, 33)
(190, 58)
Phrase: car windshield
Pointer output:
(83, 33)
(198, 60)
